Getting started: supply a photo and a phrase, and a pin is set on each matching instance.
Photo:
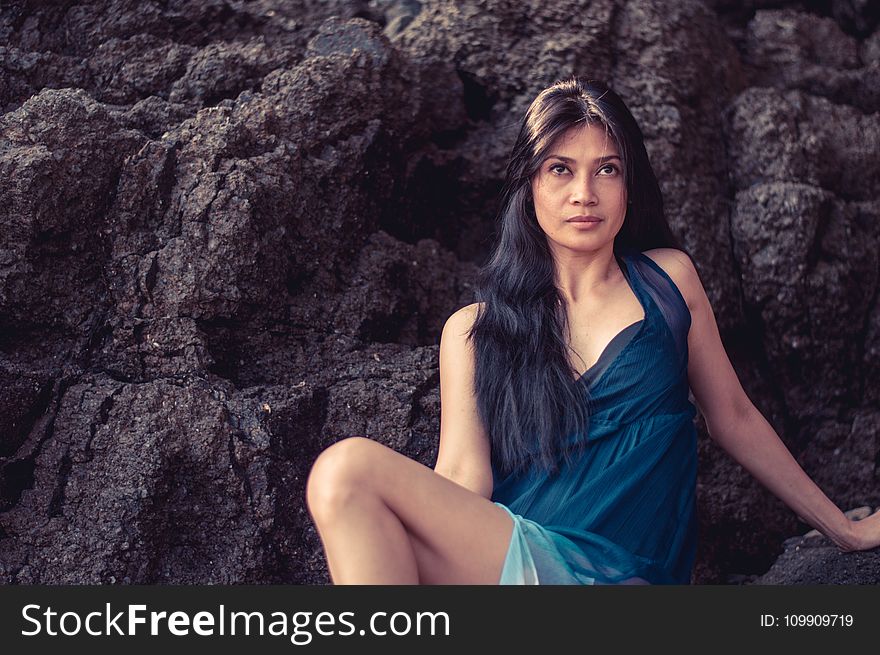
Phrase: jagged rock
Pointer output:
(390, 301)
(784, 40)
(808, 256)
(153, 116)
(24, 74)
(857, 16)
(399, 14)
(60, 155)
(809, 267)
(802, 564)
(126, 71)
(841, 457)
(870, 50)
(813, 559)
(337, 36)
(793, 50)
(220, 71)
(25, 397)
(251, 227)
(78, 29)
(145, 483)
(802, 138)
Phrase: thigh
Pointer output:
(458, 536)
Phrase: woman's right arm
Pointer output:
(464, 444)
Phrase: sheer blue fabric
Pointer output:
(624, 512)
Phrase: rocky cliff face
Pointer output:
(231, 233)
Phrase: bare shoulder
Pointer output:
(454, 341)
(463, 319)
(678, 266)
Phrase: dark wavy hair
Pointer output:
(525, 385)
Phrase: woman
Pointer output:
(567, 445)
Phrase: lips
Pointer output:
(583, 219)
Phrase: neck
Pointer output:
(580, 275)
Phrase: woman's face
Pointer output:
(582, 175)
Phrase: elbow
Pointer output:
(731, 422)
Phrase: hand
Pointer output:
(865, 533)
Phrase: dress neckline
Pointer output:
(583, 378)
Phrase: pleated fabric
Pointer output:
(624, 511)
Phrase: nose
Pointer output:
(583, 192)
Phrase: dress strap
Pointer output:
(630, 268)
(669, 282)
(664, 295)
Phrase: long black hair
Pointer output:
(524, 381)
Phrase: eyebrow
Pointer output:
(600, 160)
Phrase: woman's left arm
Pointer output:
(736, 425)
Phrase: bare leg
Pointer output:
(386, 519)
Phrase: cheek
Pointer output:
(539, 197)
(622, 196)
(543, 210)
(548, 192)
(538, 188)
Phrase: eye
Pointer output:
(555, 166)
(612, 168)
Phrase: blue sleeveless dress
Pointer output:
(624, 511)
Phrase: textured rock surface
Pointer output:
(232, 232)
(801, 51)
(812, 559)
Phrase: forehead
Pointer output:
(584, 141)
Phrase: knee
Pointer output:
(338, 474)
